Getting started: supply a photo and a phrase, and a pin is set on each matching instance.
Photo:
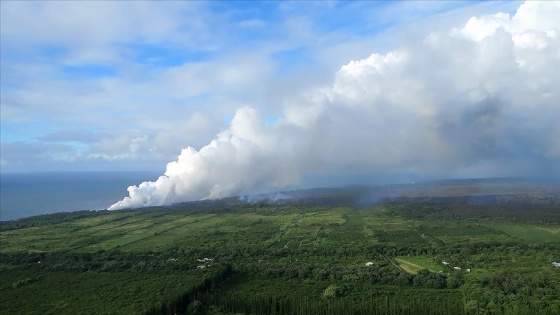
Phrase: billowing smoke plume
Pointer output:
(481, 100)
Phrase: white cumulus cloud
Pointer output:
(478, 100)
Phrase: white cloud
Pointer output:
(99, 24)
(152, 103)
(477, 100)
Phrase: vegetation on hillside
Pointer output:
(226, 257)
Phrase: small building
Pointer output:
(445, 262)
(369, 264)
(457, 268)
(468, 270)
(556, 264)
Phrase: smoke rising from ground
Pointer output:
(480, 100)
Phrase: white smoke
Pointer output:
(482, 99)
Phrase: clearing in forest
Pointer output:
(414, 264)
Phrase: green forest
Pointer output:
(231, 257)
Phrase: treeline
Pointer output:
(205, 206)
(513, 293)
(498, 294)
(509, 211)
(100, 261)
(232, 303)
(50, 219)
(184, 303)
(513, 208)
(382, 273)
(366, 300)
(303, 263)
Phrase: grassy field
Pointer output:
(413, 264)
(159, 230)
(528, 233)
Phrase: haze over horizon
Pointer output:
(262, 96)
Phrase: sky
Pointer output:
(287, 92)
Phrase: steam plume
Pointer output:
(480, 100)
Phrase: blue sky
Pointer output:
(104, 85)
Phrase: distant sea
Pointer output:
(28, 194)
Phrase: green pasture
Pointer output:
(413, 264)
(528, 233)
(158, 229)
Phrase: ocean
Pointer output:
(28, 194)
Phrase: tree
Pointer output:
(196, 307)
(332, 291)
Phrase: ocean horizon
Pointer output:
(29, 194)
